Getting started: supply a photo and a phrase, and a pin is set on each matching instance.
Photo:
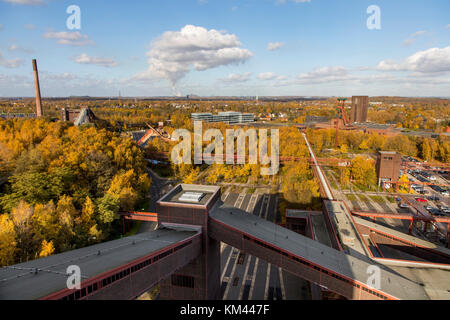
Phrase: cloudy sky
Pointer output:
(225, 47)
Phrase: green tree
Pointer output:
(108, 207)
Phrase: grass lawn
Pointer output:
(377, 199)
(391, 199)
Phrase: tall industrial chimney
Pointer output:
(38, 90)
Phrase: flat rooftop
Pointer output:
(19, 282)
(302, 214)
(346, 229)
(184, 193)
(316, 252)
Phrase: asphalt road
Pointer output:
(158, 188)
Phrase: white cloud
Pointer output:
(272, 46)
(174, 53)
(69, 38)
(30, 26)
(104, 62)
(15, 47)
(270, 76)
(413, 37)
(47, 76)
(12, 63)
(433, 60)
(324, 74)
(26, 2)
(234, 77)
(408, 42)
(448, 26)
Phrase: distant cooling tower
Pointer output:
(38, 90)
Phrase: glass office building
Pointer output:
(230, 117)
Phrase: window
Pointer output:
(183, 281)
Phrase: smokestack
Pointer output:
(38, 90)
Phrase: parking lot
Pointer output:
(432, 198)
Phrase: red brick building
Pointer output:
(388, 166)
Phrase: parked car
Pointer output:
(404, 205)
(421, 200)
(429, 208)
(437, 212)
(437, 188)
(434, 198)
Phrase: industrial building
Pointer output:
(388, 166)
(360, 107)
(78, 117)
(230, 117)
(183, 256)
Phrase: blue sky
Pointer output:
(226, 47)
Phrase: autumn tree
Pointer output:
(47, 249)
(298, 184)
(363, 171)
(7, 241)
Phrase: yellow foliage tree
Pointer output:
(7, 241)
(122, 186)
(363, 171)
(47, 249)
(403, 186)
(192, 176)
(364, 145)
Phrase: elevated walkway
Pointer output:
(329, 268)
